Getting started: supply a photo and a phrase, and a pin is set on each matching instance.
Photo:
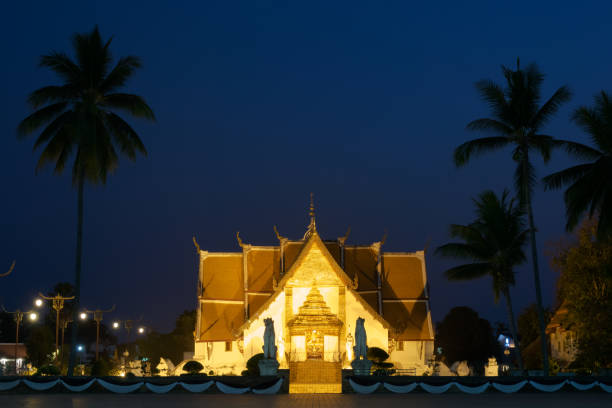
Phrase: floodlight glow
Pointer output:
(33, 316)
(79, 348)
(115, 325)
(141, 330)
(83, 315)
(38, 302)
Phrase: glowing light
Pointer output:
(122, 374)
(116, 326)
(79, 348)
(38, 302)
(83, 315)
(33, 316)
(141, 330)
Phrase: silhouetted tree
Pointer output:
(79, 120)
(590, 184)
(493, 245)
(463, 335)
(517, 121)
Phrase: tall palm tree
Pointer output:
(517, 120)
(79, 121)
(493, 244)
(590, 184)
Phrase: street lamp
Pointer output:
(128, 325)
(19, 315)
(58, 304)
(97, 315)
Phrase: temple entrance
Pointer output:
(315, 364)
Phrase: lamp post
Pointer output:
(97, 316)
(58, 305)
(19, 315)
(128, 325)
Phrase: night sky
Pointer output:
(361, 103)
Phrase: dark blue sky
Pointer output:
(258, 105)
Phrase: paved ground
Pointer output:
(527, 400)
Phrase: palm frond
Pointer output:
(461, 251)
(128, 140)
(61, 142)
(551, 107)
(559, 179)
(49, 94)
(490, 125)
(468, 271)
(120, 74)
(578, 197)
(39, 118)
(464, 152)
(64, 119)
(62, 65)
(578, 150)
(133, 104)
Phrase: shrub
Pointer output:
(253, 364)
(49, 369)
(100, 368)
(193, 367)
(377, 355)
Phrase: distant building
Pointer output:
(11, 353)
(314, 290)
(563, 342)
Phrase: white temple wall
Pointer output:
(416, 354)
(215, 356)
(253, 336)
(377, 334)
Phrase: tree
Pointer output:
(517, 120)
(528, 326)
(463, 335)
(590, 184)
(493, 244)
(170, 345)
(39, 345)
(79, 120)
(585, 288)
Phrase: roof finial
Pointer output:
(311, 213)
(312, 227)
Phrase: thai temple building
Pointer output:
(314, 290)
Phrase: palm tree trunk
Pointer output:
(536, 277)
(77, 278)
(513, 330)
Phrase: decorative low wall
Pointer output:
(259, 385)
(475, 385)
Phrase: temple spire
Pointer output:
(312, 227)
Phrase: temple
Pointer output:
(314, 290)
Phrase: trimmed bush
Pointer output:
(193, 367)
(377, 355)
(253, 364)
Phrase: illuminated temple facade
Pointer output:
(314, 290)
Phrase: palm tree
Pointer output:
(493, 244)
(590, 184)
(517, 120)
(79, 121)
